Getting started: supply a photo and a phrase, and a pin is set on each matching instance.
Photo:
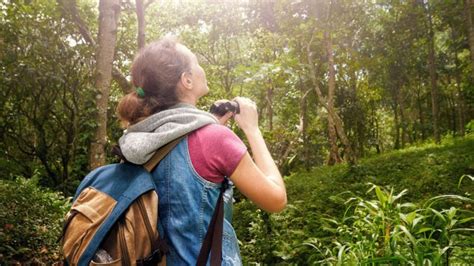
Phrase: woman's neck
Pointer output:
(188, 99)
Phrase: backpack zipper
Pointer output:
(141, 207)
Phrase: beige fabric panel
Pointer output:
(93, 207)
(136, 231)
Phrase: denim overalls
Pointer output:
(186, 205)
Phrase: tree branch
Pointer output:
(140, 10)
(70, 7)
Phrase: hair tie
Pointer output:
(140, 92)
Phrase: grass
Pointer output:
(425, 171)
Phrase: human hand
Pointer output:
(247, 119)
(223, 119)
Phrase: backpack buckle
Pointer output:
(225, 185)
(153, 259)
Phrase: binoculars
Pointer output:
(222, 107)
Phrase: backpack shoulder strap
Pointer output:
(213, 240)
(161, 153)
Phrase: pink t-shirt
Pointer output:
(215, 152)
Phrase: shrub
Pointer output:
(428, 170)
(30, 222)
(384, 230)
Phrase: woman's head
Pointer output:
(168, 73)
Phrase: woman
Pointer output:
(169, 82)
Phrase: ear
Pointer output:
(186, 80)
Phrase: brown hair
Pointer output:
(157, 70)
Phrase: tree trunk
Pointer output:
(336, 120)
(451, 100)
(359, 138)
(433, 79)
(459, 93)
(333, 150)
(420, 113)
(109, 11)
(460, 103)
(396, 125)
(470, 29)
(403, 120)
(69, 8)
(140, 10)
(301, 131)
(375, 125)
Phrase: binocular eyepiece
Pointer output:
(222, 107)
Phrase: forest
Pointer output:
(367, 107)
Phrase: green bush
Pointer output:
(426, 171)
(385, 230)
(470, 127)
(30, 222)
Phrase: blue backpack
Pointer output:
(114, 218)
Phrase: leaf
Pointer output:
(401, 194)
(416, 220)
(438, 214)
(463, 230)
(382, 197)
(465, 220)
(407, 205)
(410, 217)
(408, 234)
(451, 212)
(433, 200)
(424, 229)
(340, 255)
(462, 177)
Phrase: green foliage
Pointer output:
(260, 49)
(470, 127)
(46, 100)
(425, 171)
(384, 230)
(30, 222)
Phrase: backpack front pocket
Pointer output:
(88, 212)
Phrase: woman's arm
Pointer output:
(260, 181)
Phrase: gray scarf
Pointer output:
(141, 140)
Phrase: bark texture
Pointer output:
(108, 20)
(140, 10)
(333, 150)
(69, 9)
(333, 118)
(470, 29)
(433, 79)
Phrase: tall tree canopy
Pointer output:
(334, 81)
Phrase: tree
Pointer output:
(470, 31)
(45, 96)
(335, 125)
(70, 11)
(108, 19)
(433, 77)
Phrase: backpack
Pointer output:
(114, 218)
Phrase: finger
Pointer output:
(221, 101)
(223, 120)
(238, 100)
(242, 100)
